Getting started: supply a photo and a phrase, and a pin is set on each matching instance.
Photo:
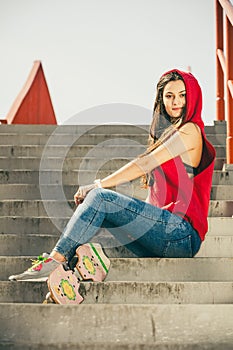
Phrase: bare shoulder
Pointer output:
(190, 129)
(190, 133)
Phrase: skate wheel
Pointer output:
(48, 299)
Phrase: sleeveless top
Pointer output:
(172, 188)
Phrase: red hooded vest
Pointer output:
(173, 189)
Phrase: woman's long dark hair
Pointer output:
(162, 126)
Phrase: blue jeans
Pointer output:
(144, 229)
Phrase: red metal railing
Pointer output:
(224, 69)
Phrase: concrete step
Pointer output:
(220, 226)
(203, 325)
(43, 208)
(222, 177)
(86, 129)
(87, 163)
(45, 177)
(53, 192)
(219, 163)
(216, 246)
(126, 292)
(71, 139)
(33, 191)
(222, 192)
(55, 225)
(55, 163)
(85, 138)
(36, 208)
(127, 149)
(217, 139)
(220, 151)
(74, 177)
(218, 126)
(221, 208)
(116, 346)
(32, 225)
(29, 244)
(145, 269)
(26, 244)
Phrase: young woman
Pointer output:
(177, 168)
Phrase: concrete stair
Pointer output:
(144, 303)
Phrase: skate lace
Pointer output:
(38, 260)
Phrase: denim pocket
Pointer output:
(180, 248)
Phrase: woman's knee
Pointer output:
(96, 192)
(95, 196)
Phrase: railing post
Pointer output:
(229, 76)
(220, 111)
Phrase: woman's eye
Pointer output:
(168, 96)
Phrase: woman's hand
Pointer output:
(82, 192)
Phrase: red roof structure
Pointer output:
(33, 105)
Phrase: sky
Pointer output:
(102, 58)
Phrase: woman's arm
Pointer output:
(185, 140)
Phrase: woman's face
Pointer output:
(174, 98)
